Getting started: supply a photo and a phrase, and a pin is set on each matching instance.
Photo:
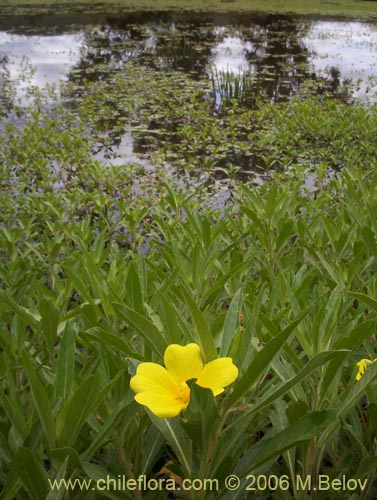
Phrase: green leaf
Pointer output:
(356, 391)
(133, 290)
(296, 410)
(31, 473)
(200, 417)
(99, 476)
(77, 410)
(262, 360)
(152, 449)
(49, 321)
(69, 456)
(29, 317)
(144, 327)
(116, 341)
(40, 400)
(78, 281)
(173, 434)
(366, 467)
(107, 427)
(276, 392)
(351, 342)
(15, 414)
(231, 322)
(205, 338)
(12, 485)
(66, 366)
(365, 299)
(356, 336)
(271, 447)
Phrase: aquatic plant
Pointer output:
(227, 86)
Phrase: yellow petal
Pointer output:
(163, 406)
(218, 374)
(183, 362)
(151, 377)
(363, 365)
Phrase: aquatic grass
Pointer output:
(228, 86)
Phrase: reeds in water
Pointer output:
(228, 86)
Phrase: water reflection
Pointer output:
(38, 60)
(285, 51)
(346, 49)
(280, 52)
(231, 53)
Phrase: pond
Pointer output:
(231, 55)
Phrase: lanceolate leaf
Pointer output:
(276, 392)
(49, 321)
(58, 494)
(174, 435)
(231, 322)
(77, 410)
(144, 327)
(262, 360)
(200, 417)
(31, 472)
(203, 331)
(40, 400)
(357, 391)
(268, 448)
(102, 435)
(14, 413)
(66, 365)
(365, 299)
(133, 290)
(113, 340)
(28, 316)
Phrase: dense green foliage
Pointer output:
(95, 278)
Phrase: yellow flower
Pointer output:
(363, 365)
(164, 390)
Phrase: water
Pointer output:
(281, 52)
(347, 50)
(288, 48)
(48, 58)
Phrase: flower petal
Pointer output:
(151, 377)
(163, 406)
(183, 362)
(218, 374)
(363, 365)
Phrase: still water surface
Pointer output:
(283, 52)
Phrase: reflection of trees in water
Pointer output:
(272, 47)
(103, 51)
(185, 47)
(279, 60)
(6, 87)
(163, 45)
